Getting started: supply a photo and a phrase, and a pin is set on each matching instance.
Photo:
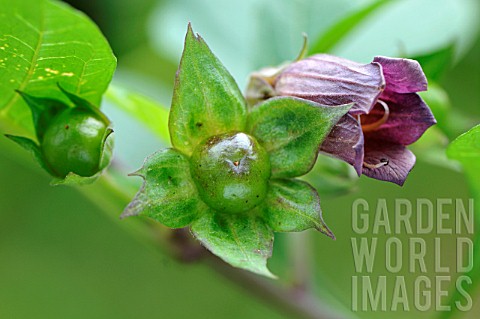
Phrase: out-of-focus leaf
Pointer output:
(411, 27)
(451, 121)
(43, 43)
(436, 63)
(242, 240)
(438, 101)
(251, 34)
(206, 100)
(339, 30)
(292, 130)
(331, 177)
(150, 113)
(431, 148)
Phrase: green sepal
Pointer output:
(43, 111)
(242, 240)
(106, 149)
(74, 179)
(32, 147)
(292, 130)
(293, 205)
(83, 104)
(168, 194)
(206, 100)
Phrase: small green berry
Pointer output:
(231, 172)
(73, 142)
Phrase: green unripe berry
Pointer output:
(74, 142)
(231, 172)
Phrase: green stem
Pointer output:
(298, 305)
(298, 250)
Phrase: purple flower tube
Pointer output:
(387, 115)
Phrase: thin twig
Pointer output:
(298, 251)
(299, 304)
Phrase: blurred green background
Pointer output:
(62, 257)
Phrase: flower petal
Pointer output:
(409, 118)
(345, 142)
(393, 161)
(330, 80)
(402, 75)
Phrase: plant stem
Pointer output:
(299, 304)
(301, 263)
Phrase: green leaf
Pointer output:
(43, 43)
(32, 147)
(431, 149)
(293, 205)
(466, 150)
(336, 33)
(436, 63)
(292, 130)
(466, 147)
(168, 194)
(242, 240)
(206, 99)
(150, 113)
